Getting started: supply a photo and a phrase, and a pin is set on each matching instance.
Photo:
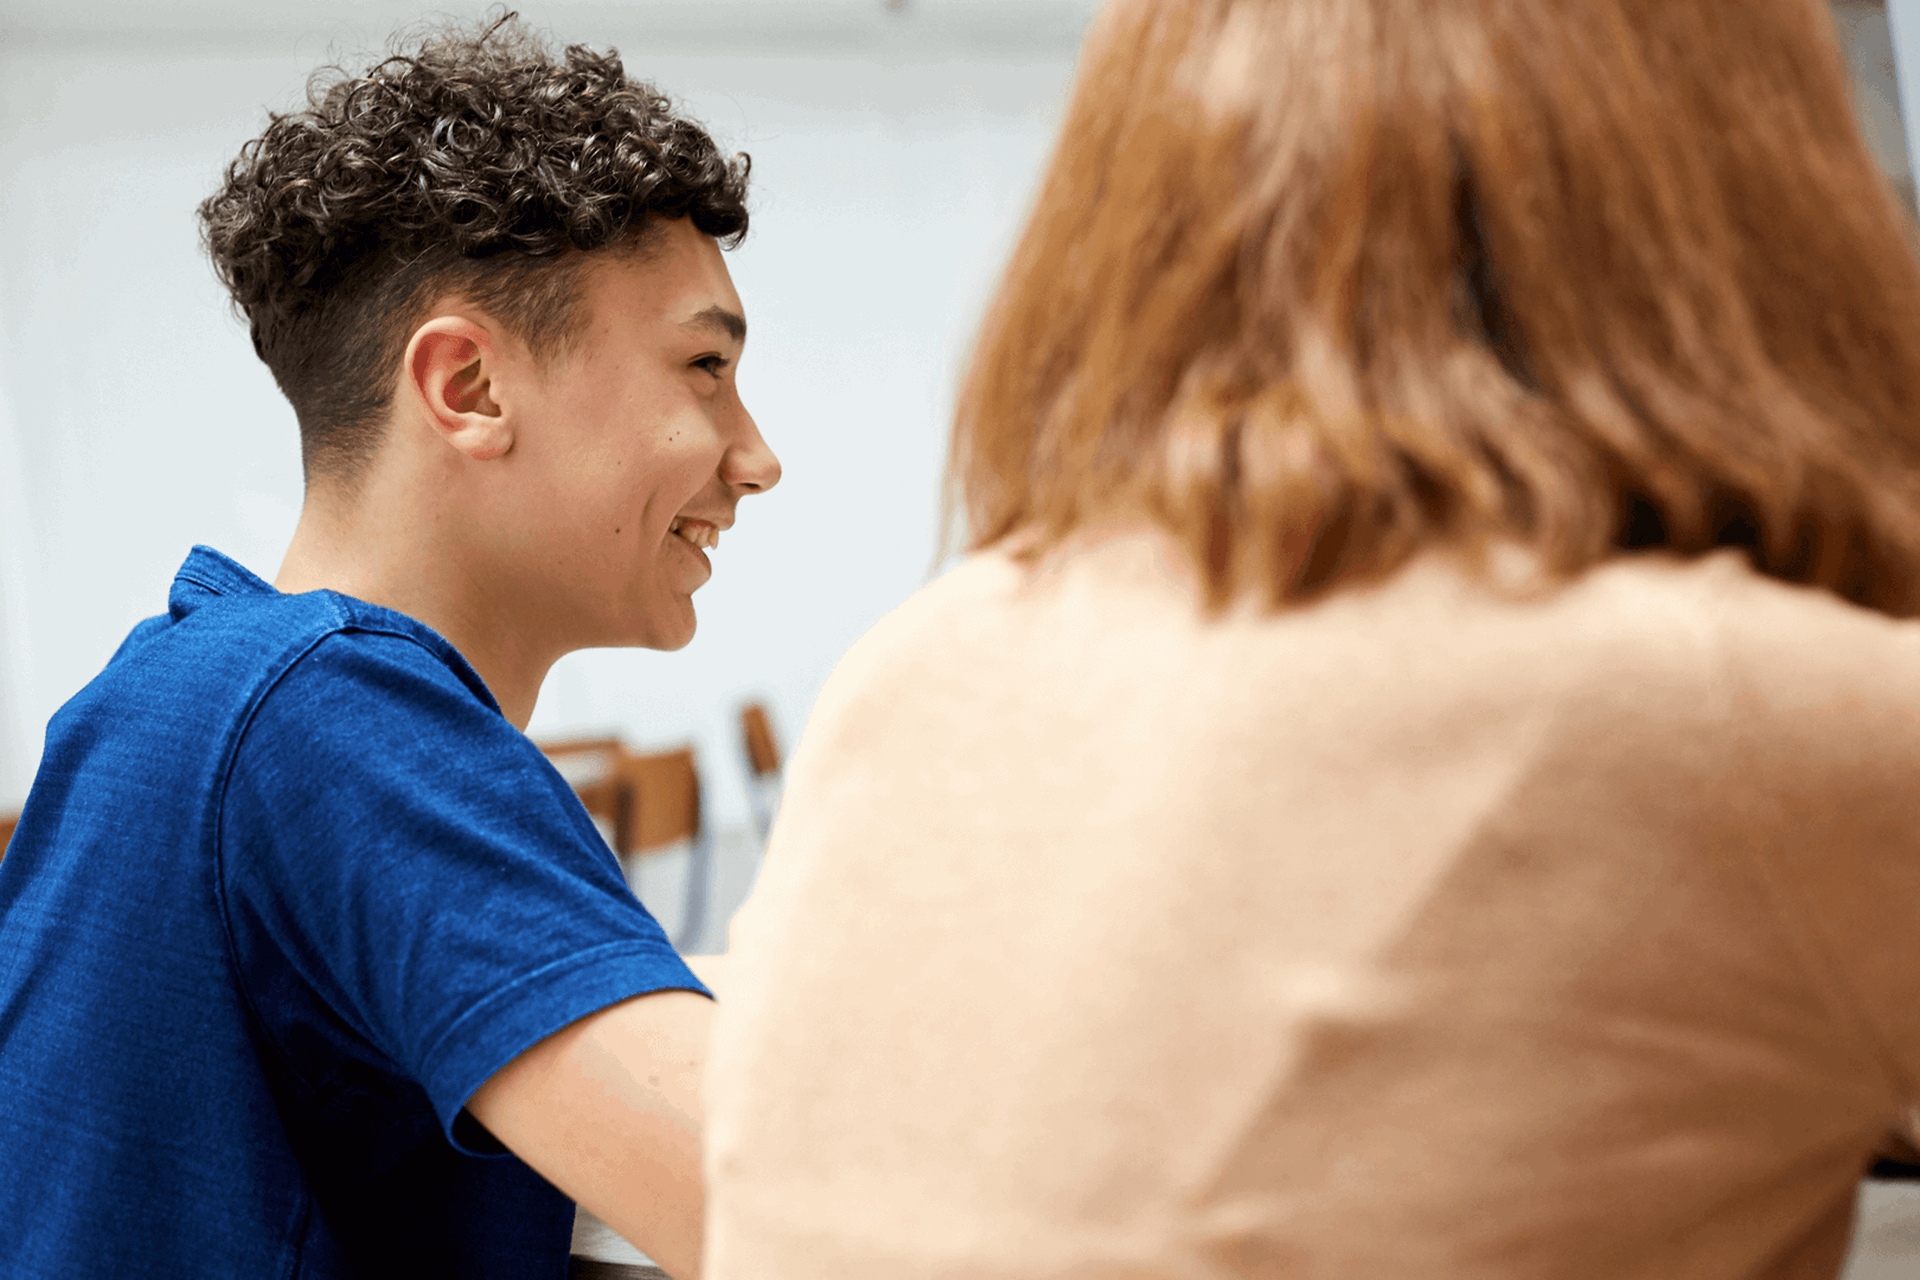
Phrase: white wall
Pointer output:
(17, 752)
(1904, 29)
(892, 156)
(1867, 41)
(890, 170)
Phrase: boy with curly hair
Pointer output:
(303, 935)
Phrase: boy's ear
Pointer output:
(451, 371)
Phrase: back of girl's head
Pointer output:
(1316, 284)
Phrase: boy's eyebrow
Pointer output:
(732, 323)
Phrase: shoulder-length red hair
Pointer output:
(1318, 283)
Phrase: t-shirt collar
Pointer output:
(206, 572)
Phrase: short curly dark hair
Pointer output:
(476, 163)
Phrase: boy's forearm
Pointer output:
(608, 1110)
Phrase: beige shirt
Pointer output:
(1425, 932)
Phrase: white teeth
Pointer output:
(697, 532)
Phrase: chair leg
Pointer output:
(693, 912)
(763, 794)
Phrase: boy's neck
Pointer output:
(401, 563)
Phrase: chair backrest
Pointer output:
(648, 801)
(756, 734)
(592, 767)
(663, 799)
(583, 760)
(8, 821)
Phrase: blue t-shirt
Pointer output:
(287, 890)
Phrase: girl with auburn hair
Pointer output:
(1416, 777)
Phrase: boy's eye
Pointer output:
(712, 364)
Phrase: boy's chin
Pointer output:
(668, 634)
(668, 646)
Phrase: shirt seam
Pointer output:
(344, 624)
(347, 623)
(431, 1061)
(219, 801)
(426, 638)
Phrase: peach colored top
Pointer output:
(1426, 932)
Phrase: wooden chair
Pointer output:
(762, 755)
(8, 821)
(647, 801)
(592, 767)
(663, 808)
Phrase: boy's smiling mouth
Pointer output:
(699, 533)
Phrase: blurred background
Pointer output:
(893, 150)
(895, 144)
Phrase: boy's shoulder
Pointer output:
(186, 687)
(229, 634)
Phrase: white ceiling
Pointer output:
(1042, 25)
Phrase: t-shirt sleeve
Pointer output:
(412, 857)
(1826, 703)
